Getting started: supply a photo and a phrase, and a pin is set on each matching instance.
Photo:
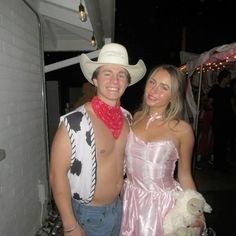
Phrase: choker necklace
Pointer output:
(152, 117)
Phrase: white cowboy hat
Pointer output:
(112, 53)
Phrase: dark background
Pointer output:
(153, 30)
(156, 31)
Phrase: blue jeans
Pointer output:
(99, 220)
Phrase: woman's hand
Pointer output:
(200, 225)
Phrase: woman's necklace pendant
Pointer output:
(152, 117)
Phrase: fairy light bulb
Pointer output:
(82, 13)
(93, 41)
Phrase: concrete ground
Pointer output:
(219, 190)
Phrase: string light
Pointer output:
(211, 66)
(82, 13)
(93, 41)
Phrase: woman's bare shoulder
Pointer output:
(137, 115)
(182, 126)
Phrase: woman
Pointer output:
(158, 138)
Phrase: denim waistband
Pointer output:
(105, 207)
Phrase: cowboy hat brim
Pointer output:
(88, 66)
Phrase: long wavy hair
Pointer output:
(174, 110)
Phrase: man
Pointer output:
(87, 155)
(220, 101)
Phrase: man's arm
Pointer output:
(59, 165)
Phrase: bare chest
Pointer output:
(106, 144)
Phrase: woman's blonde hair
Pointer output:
(174, 110)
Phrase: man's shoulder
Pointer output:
(75, 112)
(124, 111)
(73, 118)
(127, 115)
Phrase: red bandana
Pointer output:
(112, 117)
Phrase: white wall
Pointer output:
(21, 120)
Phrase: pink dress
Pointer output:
(149, 186)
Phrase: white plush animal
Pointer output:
(189, 205)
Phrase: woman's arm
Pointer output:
(186, 140)
(184, 166)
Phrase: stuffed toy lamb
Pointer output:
(189, 205)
